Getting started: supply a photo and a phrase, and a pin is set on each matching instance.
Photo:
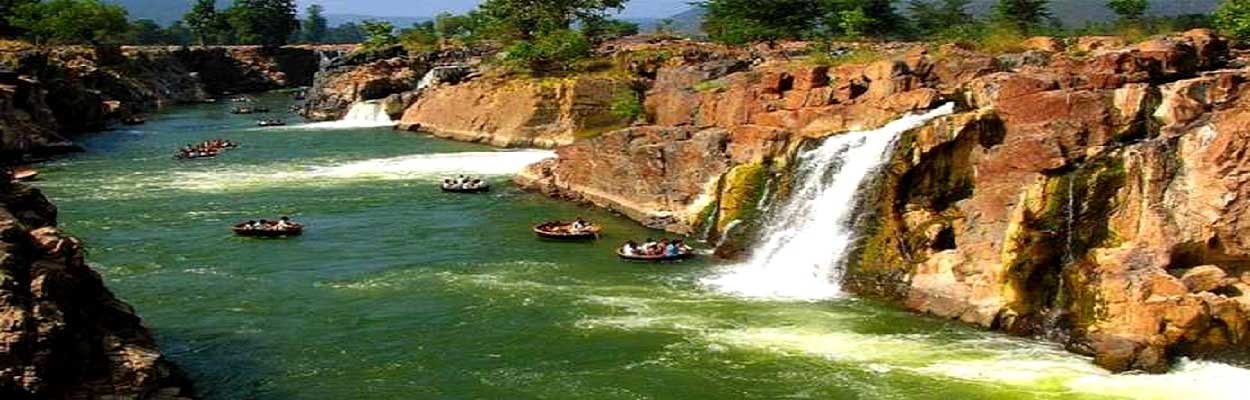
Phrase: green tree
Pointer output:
(420, 37)
(550, 52)
(148, 32)
(1024, 16)
(71, 21)
(937, 18)
(179, 34)
(203, 20)
(315, 25)
(599, 29)
(378, 34)
(448, 25)
(528, 19)
(268, 23)
(745, 21)
(9, 8)
(346, 33)
(667, 26)
(1129, 10)
(1233, 18)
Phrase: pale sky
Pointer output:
(425, 8)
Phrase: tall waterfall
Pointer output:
(807, 237)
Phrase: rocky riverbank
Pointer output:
(1088, 191)
(49, 95)
(64, 335)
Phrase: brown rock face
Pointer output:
(528, 112)
(27, 125)
(668, 169)
(1072, 200)
(63, 334)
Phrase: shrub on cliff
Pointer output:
(550, 52)
(1233, 18)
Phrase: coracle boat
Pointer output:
(245, 231)
(563, 231)
(653, 259)
(134, 121)
(269, 123)
(24, 175)
(483, 188)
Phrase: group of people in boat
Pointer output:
(206, 149)
(463, 183)
(282, 224)
(651, 248)
(270, 122)
(249, 110)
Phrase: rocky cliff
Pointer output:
(63, 335)
(49, 94)
(1096, 200)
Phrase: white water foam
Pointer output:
(808, 236)
(414, 167)
(363, 114)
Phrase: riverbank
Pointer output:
(51, 95)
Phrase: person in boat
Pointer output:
(630, 249)
(671, 249)
(580, 225)
(284, 223)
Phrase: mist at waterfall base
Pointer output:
(362, 114)
(400, 291)
(808, 235)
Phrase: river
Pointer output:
(399, 291)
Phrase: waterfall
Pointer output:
(368, 112)
(445, 73)
(807, 237)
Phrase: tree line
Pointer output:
(551, 35)
(746, 21)
(255, 22)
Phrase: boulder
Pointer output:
(1204, 278)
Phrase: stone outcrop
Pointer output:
(521, 112)
(63, 335)
(390, 75)
(27, 125)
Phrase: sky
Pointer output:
(423, 8)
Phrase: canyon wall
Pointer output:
(50, 94)
(63, 335)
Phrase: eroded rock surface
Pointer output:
(63, 335)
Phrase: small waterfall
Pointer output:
(441, 74)
(808, 236)
(368, 112)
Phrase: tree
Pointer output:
(667, 26)
(71, 21)
(528, 19)
(9, 8)
(1129, 10)
(148, 32)
(203, 20)
(315, 25)
(1233, 18)
(552, 51)
(599, 29)
(345, 33)
(1024, 16)
(448, 25)
(744, 21)
(378, 34)
(268, 23)
(938, 17)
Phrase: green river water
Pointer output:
(399, 291)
